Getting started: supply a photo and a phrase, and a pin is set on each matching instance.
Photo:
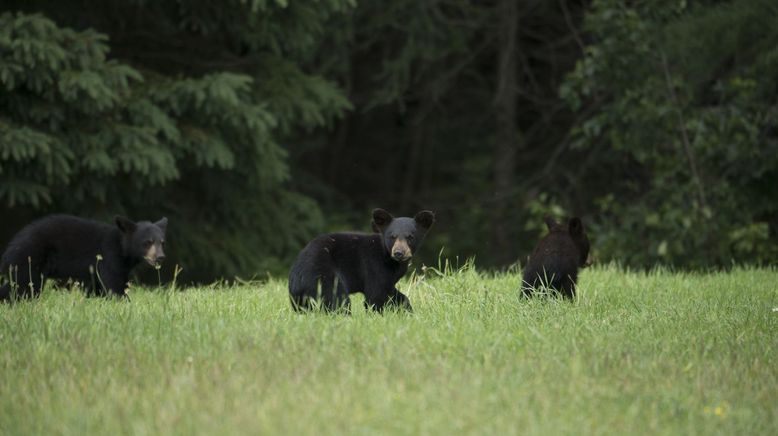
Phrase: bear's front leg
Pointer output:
(378, 299)
(117, 287)
(400, 300)
(109, 283)
(375, 303)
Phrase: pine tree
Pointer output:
(187, 117)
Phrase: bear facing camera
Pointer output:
(334, 265)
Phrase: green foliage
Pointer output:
(84, 132)
(53, 79)
(641, 354)
(684, 110)
(247, 122)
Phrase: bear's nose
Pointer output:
(160, 258)
(399, 255)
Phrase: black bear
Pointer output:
(335, 265)
(557, 257)
(98, 255)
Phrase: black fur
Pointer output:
(557, 257)
(333, 266)
(67, 247)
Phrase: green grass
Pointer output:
(656, 353)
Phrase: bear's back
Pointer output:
(57, 232)
(558, 251)
(554, 260)
(343, 248)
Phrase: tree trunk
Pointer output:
(507, 135)
(419, 129)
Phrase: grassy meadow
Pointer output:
(637, 353)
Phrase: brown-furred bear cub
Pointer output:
(555, 261)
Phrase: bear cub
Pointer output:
(332, 266)
(67, 247)
(555, 260)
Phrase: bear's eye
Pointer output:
(409, 237)
(162, 242)
(392, 236)
(148, 243)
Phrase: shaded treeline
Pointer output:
(255, 125)
(456, 108)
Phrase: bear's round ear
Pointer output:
(575, 226)
(550, 222)
(425, 219)
(124, 224)
(381, 219)
(162, 224)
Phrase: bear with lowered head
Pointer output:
(98, 255)
(555, 260)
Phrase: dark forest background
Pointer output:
(255, 124)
